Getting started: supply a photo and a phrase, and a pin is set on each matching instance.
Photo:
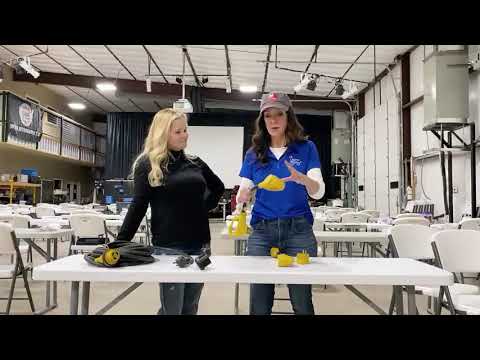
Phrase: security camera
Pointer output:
(24, 63)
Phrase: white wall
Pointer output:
(378, 150)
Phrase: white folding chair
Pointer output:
(9, 246)
(457, 251)
(334, 214)
(470, 224)
(354, 217)
(90, 231)
(399, 216)
(42, 211)
(372, 213)
(413, 241)
(74, 212)
(412, 220)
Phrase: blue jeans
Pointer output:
(291, 236)
(178, 298)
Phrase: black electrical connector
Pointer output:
(184, 261)
(203, 260)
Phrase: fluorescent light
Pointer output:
(76, 106)
(248, 88)
(106, 86)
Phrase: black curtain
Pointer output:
(126, 133)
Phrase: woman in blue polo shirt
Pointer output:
(281, 219)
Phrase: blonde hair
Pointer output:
(155, 147)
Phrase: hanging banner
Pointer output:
(24, 120)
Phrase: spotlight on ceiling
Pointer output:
(308, 82)
(339, 90)
(204, 80)
(178, 80)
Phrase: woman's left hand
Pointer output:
(295, 175)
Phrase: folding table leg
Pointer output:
(412, 308)
(85, 297)
(398, 299)
(74, 298)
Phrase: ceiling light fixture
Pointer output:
(149, 84)
(204, 80)
(106, 86)
(76, 106)
(248, 88)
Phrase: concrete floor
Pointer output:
(217, 299)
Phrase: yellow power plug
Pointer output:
(303, 258)
(284, 260)
(274, 252)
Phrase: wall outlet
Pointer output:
(455, 189)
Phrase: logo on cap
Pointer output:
(273, 97)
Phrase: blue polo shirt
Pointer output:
(293, 200)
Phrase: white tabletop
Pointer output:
(347, 236)
(254, 269)
(42, 234)
(114, 223)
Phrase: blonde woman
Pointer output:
(180, 189)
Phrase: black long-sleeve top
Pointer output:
(179, 207)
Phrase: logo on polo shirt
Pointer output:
(294, 162)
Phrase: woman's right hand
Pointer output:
(244, 195)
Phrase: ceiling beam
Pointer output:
(187, 55)
(229, 67)
(155, 63)
(110, 101)
(314, 56)
(120, 62)
(266, 68)
(136, 105)
(349, 68)
(161, 89)
(84, 59)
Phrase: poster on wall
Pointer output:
(24, 120)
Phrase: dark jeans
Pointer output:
(291, 236)
(179, 298)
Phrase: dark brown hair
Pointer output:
(261, 138)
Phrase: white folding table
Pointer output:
(350, 237)
(395, 272)
(29, 236)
